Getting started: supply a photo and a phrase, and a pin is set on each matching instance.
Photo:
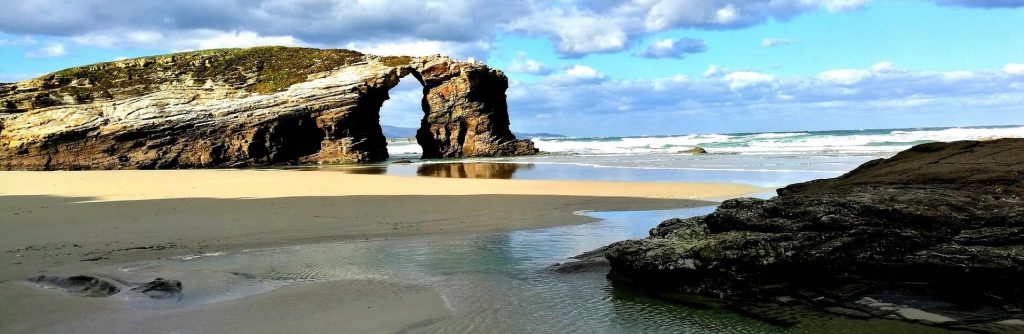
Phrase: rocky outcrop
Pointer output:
(934, 234)
(79, 285)
(90, 286)
(246, 107)
(160, 288)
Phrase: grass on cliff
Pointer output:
(260, 70)
(263, 70)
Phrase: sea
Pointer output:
(769, 159)
(498, 282)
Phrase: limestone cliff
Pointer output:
(246, 107)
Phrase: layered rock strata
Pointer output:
(247, 107)
(934, 234)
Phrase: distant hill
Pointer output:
(401, 132)
(524, 135)
(398, 132)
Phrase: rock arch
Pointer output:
(267, 106)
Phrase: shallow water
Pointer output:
(758, 170)
(491, 283)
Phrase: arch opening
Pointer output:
(401, 116)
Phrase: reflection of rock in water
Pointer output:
(475, 170)
(375, 170)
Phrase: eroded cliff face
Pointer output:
(246, 107)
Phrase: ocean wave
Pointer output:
(812, 142)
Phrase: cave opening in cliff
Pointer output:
(400, 118)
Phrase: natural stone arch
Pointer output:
(465, 113)
(247, 107)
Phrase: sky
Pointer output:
(604, 67)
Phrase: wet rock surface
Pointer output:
(79, 285)
(931, 235)
(592, 261)
(247, 107)
(160, 289)
(90, 286)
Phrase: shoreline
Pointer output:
(113, 185)
(67, 223)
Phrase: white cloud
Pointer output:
(521, 64)
(183, 40)
(410, 48)
(1014, 69)
(52, 50)
(743, 79)
(673, 48)
(712, 71)
(773, 42)
(844, 77)
(883, 67)
(239, 39)
(577, 33)
(735, 100)
(843, 5)
(583, 72)
(610, 26)
(666, 105)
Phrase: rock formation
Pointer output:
(934, 234)
(246, 107)
(79, 285)
(160, 288)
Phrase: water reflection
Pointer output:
(471, 170)
(372, 170)
(492, 283)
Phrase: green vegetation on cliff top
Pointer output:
(261, 70)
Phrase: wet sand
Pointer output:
(65, 223)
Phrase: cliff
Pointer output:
(934, 234)
(247, 107)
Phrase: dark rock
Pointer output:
(695, 150)
(592, 261)
(942, 222)
(403, 161)
(160, 289)
(80, 285)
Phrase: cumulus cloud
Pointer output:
(195, 24)
(422, 48)
(52, 50)
(576, 27)
(1014, 69)
(576, 75)
(521, 64)
(673, 48)
(773, 42)
(609, 26)
(743, 79)
(844, 77)
(753, 97)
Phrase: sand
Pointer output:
(68, 222)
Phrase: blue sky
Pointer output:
(605, 67)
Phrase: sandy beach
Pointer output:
(66, 223)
